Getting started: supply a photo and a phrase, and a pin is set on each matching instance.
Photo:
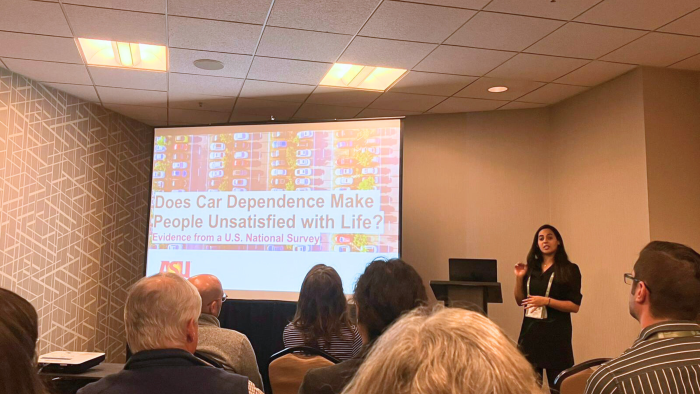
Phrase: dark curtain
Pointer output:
(263, 323)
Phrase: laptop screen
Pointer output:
(473, 270)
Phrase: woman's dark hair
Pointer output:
(386, 290)
(671, 272)
(322, 309)
(19, 330)
(562, 265)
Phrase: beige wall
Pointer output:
(475, 185)
(672, 120)
(599, 203)
(74, 192)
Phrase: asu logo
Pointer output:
(177, 267)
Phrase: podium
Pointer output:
(468, 295)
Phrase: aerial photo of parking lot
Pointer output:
(289, 161)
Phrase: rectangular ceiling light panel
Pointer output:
(124, 54)
(362, 77)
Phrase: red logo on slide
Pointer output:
(177, 267)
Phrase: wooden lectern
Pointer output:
(468, 295)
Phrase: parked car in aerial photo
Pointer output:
(304, 153)
(305, 134)
(277, 172)
(343, 171)
(158, 174)
(303, 172)
(160, 148)
(181, 156)
(217, 155)
(241, 136)
(159, 156)
(303, 162)
(241, 155)
(181, 146)
(302, 181)
(216, 174)
(240, 182)
(182, 138)
(217, 146)
(240, 172)
(179, 173)
(279, 144)
(343, 181)
(180, 164)
(213, 165)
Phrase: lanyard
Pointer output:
(673, 334)
(549, 285)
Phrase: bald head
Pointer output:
(211, 291)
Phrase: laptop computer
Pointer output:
(473, 270)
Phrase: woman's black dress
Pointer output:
(547, 343)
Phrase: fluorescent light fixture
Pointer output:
(362, 77)
(498, 89)
(124, 54)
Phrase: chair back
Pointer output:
(288, 367)
(574, 379)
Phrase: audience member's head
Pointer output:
(212, 293)
(666, 283)
(18, 335)
(161, 313)
(322, 306)
(444, 350)
(386, 290)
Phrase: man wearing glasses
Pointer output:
(228, 347)
(665, 299)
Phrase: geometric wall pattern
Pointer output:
(74, 194)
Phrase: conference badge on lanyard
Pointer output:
(541, 311)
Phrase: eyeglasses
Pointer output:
(224, 298)
(630, 279)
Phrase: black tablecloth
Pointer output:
(263, 323)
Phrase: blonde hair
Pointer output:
(157, 311)
(444, 351)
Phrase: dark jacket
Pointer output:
(334, 378)
(168, 371)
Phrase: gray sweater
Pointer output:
(230, 348)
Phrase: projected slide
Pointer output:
(259, 205)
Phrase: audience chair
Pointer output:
(573, 380)
(288, 367)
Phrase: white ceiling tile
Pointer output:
(471, 4)
(290, 71)
(595, 73)
(552, 93)
(133, 79)
(50, 72)
(238, 118)
(384, 113)
(406, 102)
(116, 25)
(463, 61)
(430, 83)
(205, 84)
(385, 53)
(301, 44)
(638, 14)
(276, 91)
(565, 10)
(692, 63)
(502, 31)
(415, 22)
(153, 6)
(266, 108)
(342, 97)
(85, 92)
(458, 104)
(29, 46)
(33, 17)
(689, 24)
(188, 100)
(536, 67)
(208, 35)
(235, 66)
(188, 117)
(516, 88)
(317, 111)
(335, 16)
(520, 105)
(132, 96)
(142, 114)
(656, 49)
(247, 11)
(584, 41)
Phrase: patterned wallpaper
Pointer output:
(74, 181)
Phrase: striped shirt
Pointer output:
(343, 347)
(665, 359)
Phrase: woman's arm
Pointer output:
(519, 291)
(564, 306)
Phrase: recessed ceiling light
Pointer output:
(362, 77)
(208, 64)
(498, 89)
(124, 54)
